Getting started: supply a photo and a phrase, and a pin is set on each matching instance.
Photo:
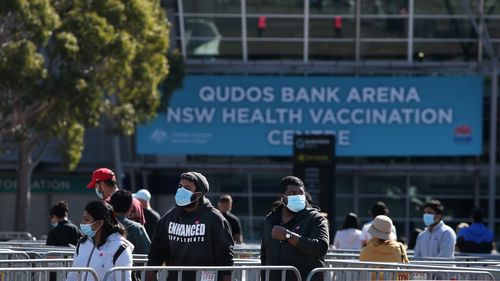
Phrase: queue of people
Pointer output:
(195, 233)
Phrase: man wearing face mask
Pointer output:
(438, 239)
(104, 183)
(295, 233)
(193, 233)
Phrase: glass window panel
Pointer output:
(331, 51)
(275, 50)
(212, 6)
(444, 28)
(384, 28)
(344, 184)
(343, 206)
(328, 28)
(384, 7)
(275, 6)
(390, 186)
(262, 183)
(430, 185)
(492, 7)
(484, 187)
(493, 27)
(276, 28)
(444, 7)
(384, 51)
(212, 27)
(214, 49)
(439, 51)
(228, 183)
(339, 7)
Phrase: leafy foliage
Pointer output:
(66, 65)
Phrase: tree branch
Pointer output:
(38, 157)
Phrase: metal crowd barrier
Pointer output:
(238, 273)
(45, 273)
(37, 263)
(364, 274)
(480, 266)
(476, 264)
(15, 235)
(11, 255)
(342, 256)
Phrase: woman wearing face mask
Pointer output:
(103, 245)
(295, 233)
(63, 232)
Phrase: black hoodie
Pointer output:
(310, 251)
(202, 237)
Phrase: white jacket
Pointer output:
(101, 259)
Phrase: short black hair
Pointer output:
(478, 214)
(290, 180)
(226, 199)
(436, 206)
(121, 201)
(379, 209)
(351, 221)
(60, 209)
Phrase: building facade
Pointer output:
(317, 38)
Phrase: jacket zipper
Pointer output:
(88, 262)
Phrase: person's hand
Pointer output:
(279, 232)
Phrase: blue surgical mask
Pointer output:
(183, 197)
(87, 229)
(53, 224)
(296, 203)
(99, 193)
(428, 219)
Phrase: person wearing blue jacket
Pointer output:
(476, 238)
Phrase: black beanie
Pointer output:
(201, 181)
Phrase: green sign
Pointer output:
(68, 184)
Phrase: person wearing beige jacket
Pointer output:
(383, 247)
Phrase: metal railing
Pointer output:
(355, 274)
(247, 273)
(45, 273)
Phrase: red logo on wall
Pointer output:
(463, 134)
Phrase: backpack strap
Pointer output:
(402, 253)
(119, 252)
(78, 247)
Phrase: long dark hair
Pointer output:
(101, 210)
(351, 221)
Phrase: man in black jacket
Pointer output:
(193, 233)
(294, 233)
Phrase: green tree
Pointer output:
(67, 65)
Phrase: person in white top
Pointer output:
(103, 245)
(349, 237)
(378, 209)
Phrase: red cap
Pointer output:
(101, 174)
